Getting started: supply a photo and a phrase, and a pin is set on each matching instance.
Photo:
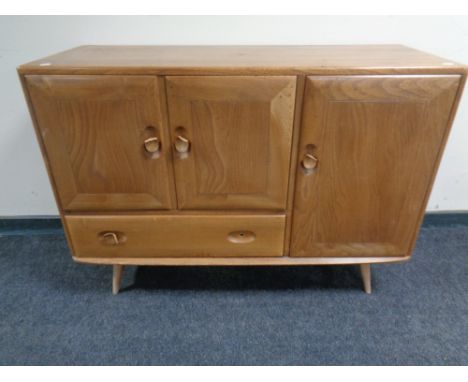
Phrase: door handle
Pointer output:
(152, 145)
(110, 238)
(309, 162)
(182, 144)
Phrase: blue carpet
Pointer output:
(56, 312)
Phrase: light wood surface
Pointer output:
(94, 129)
(377, 140)
(440, 154)
(45, 158)
(366, 277)
(240, 261)
(117, 270)
(226, 60)
(242, 155)
(300, 87)
(240, 131)
(179, 236)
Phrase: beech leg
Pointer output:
(366, 277)
(116, 277)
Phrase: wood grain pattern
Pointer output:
(377, 139)
(240, 131)
(176, 236)
(246, 60)
(45, 157)
(451, 117)
(300, 89)
(94, 128)
(240, 261)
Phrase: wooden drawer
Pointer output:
(139, 236)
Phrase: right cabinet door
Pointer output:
(369, 148)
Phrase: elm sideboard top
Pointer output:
(225, 60)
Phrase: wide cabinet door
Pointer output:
(369, 147)
(232, 140)
(106, 140)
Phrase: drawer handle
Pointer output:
(309, 162)
(241, 237)
(112, 238)
(152, 145)
(182, 144)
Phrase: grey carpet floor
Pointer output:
(56, 312)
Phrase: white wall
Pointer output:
(24, 187)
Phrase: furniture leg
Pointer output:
(366, 277)
(116, 277)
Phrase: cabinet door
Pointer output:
(232, 139)
(94, 130)
(368, 150)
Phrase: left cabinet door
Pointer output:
(106, 140)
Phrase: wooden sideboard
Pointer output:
(242, 155)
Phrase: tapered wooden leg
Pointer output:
(366, 277)
(116, 277)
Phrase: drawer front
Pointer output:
(138, 236)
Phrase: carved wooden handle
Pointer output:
(309, 162)
(110, 238)
(152, 145)
(182, 144)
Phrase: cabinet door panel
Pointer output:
(377, 141)
(94, 129)
(239, 131)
